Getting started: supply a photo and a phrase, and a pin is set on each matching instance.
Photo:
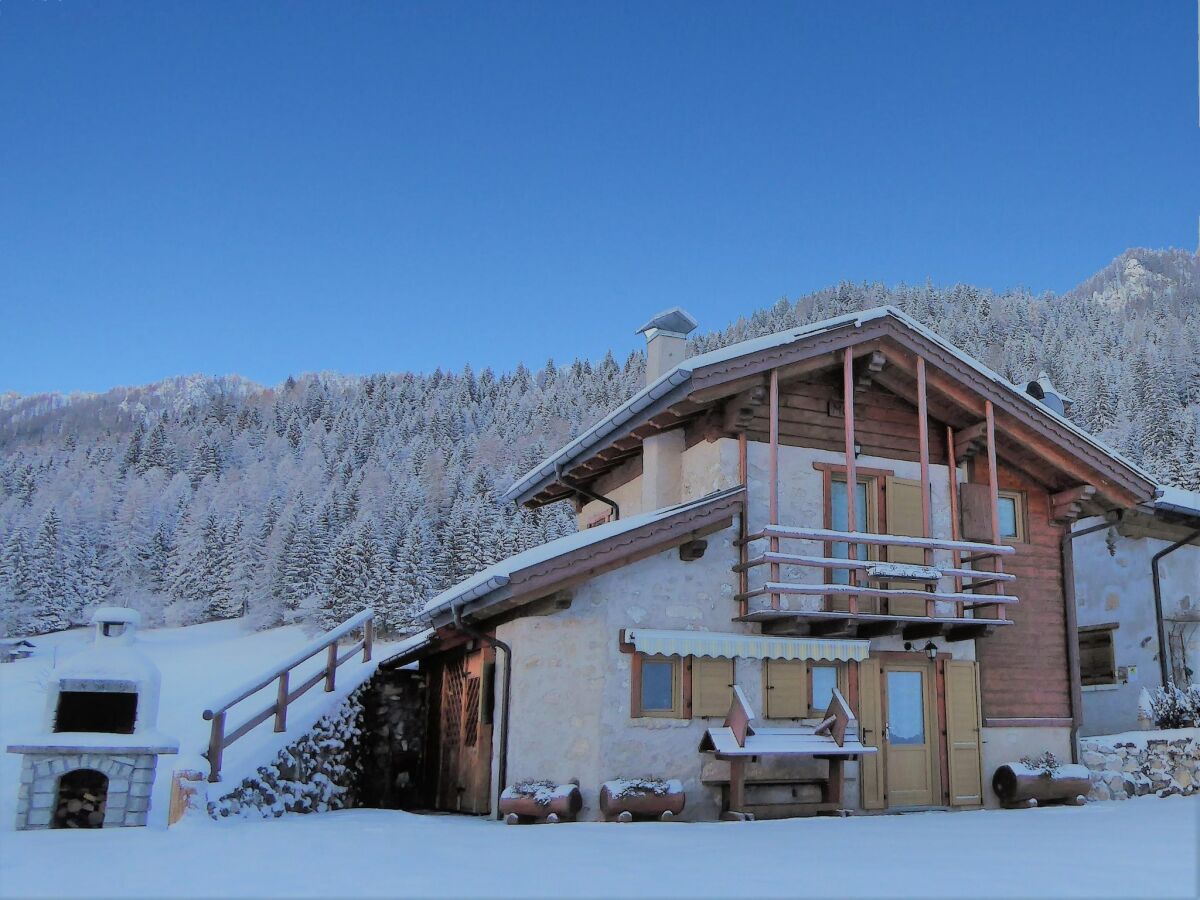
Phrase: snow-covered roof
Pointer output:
(498, 575)
(675, 382)
(1177, 500)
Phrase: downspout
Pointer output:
(1067, 551)
(502, 767)
(1163, 648)
(580, 489)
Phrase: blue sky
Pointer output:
(269, 188)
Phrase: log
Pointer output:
(623, 803)
(1019, 787)
(559, 803)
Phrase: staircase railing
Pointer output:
(285, 695)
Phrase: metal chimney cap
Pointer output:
(675, 320)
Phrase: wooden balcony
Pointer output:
(971, 613)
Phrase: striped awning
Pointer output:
(748, 646)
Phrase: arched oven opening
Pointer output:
(82, 796)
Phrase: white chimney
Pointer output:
(662, 454)
(666, 338)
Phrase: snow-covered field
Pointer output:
(1137, 848)
(199, 663)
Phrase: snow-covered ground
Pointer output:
(1136, 848)
(199, 663)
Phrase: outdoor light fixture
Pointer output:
(930, 650)
(857, 449)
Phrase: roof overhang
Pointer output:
(958, 383)
(614, 547)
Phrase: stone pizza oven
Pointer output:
(92, 763)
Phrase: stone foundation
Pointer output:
(130, 779)
(1137, 764)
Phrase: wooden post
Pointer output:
(994, 495)
(368, 639)
(281, 701)
(833, 786)
(923, 441)
(216, 746)
(851, 472)
(331, 667)
(743, 526)
(737, 784)
(955, 556)
(773, 477)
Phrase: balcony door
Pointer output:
(866, 516)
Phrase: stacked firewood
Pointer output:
(81, 808)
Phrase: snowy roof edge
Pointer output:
(498, 575)
(674, 379)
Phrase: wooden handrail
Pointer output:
(837, 562)
(284, 694)
(883, 540)
(837, 590)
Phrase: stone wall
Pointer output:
(130, 780)
(1150, 762)
(318, 772)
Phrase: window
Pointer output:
(824, 680)
(658, 686)
(1012, 516)
(864, 520)
(1097, 658)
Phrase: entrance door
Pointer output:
(909, 734)
(464, 742)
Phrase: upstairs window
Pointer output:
(1012, 516)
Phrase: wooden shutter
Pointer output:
(904, 516)
(786, 683)
(975, 508)
(962, 733)
(712, 686)
(870, 765)
(1097, 663)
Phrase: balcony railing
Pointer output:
(878, 579)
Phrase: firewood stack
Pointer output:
(80, 806)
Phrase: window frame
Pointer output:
(1108, 629)
(1020, 516)
(840, 682)
(681, 671)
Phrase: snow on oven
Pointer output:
(93, 762)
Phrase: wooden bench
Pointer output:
(835, 740)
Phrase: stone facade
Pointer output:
(317, 772)
(130, 779)
(1162, 763)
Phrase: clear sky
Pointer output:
(267, 188)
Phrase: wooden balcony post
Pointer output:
(955, 556)
(331, 667)
(281, 701)
(368, 638)
(994, 492)
(216, 746)
(851, 472)
(773, 477)
(923, 442)
(743, 525)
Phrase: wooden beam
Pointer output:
(877, 629)
(740, 410)
(773, 474)
(1067, 506)
(923, 447)
(952, 475)
(851, 470)
(828, 627)
(968, 632)
(923, 630)
(989, 413)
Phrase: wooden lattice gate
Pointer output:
(464, 732)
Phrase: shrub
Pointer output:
(1174, 707)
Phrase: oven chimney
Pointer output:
(662, 454)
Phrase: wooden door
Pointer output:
(904, 517)
(909, 734)
(964, 753)
(465, 734)
(870, 723)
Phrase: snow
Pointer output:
(1141, 738)
(499, 574)
(1176, 498)
(199, 663)
(1135, 848)
(620, 787)
(903, 570)
(1068, 770)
